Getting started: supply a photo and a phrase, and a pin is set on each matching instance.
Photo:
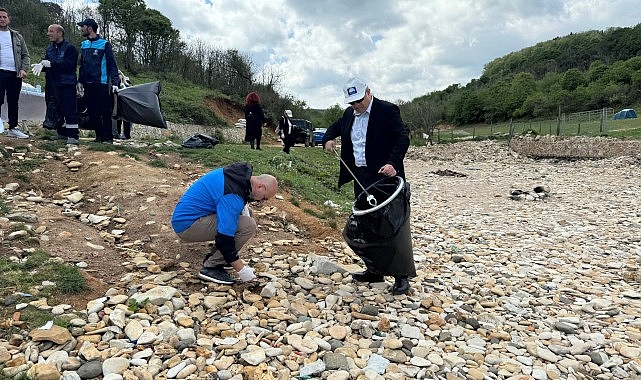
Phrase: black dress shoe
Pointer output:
(367, 276)
(401, 285)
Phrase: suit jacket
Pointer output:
(386, 141)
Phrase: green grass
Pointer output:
(4, 210)
(27, 276)
(308, 174)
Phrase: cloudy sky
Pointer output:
(401, 48)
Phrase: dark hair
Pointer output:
(4, 10)
(252, 98)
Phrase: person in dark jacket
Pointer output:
(98, 75)
(286, 129)
(254, 120)
(59, 64)
(215, 208)
(374, 142)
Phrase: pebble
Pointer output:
(506, 288)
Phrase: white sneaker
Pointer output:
(17, 134)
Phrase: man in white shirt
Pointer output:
(374, 142)
(14, 63)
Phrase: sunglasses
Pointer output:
(357, 101)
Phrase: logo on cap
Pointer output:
(351, 91)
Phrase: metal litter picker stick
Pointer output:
(370, 198)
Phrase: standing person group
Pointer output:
(14, 63)
(98, 76)
(374, 143)
(59, 64)
(254, 120)
(286, 129)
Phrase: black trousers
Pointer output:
(99, 104)
(10, 85)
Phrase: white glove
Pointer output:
(114, 89)
(246, 274)
(36, 69)
(80, 90)
(45, 63)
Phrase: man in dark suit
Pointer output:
(374, 142)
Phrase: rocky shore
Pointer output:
(507, 288)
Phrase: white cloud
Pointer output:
(402, 48)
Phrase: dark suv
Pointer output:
(303, 132)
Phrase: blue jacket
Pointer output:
(224, 192)
(64, 58)
(97, 62)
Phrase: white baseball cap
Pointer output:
(354, 89)
(288, 113)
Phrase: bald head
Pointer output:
(264, 187)
(56, 33)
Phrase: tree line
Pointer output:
(145, 41)
(578, 72)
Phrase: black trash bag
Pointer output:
(380, 234)
(53, 117)
(200, 141)
(139, 104)
(83, 116)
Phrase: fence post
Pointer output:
(558, 123)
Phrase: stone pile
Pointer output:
(504, 290)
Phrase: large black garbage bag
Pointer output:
(380, 235)
(53, 116)
(139, 104)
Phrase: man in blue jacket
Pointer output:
(215, 208)
(374, 142)
(98, 75)
(59, 64)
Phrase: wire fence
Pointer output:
(587, 123)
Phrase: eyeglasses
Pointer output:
(357, 101)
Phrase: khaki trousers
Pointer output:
(205, 229)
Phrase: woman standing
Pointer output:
(254, 120)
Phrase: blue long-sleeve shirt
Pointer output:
(224, 192)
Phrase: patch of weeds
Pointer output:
(51, 146)
(68, 279)
(22, 177)
(28, 165)
(32, 317)
(26, 276)
(295, 202)
(157, 163)
(130, 155)
(4, 210)
(35, 260)
(134, 305)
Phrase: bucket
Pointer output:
(379, 232)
